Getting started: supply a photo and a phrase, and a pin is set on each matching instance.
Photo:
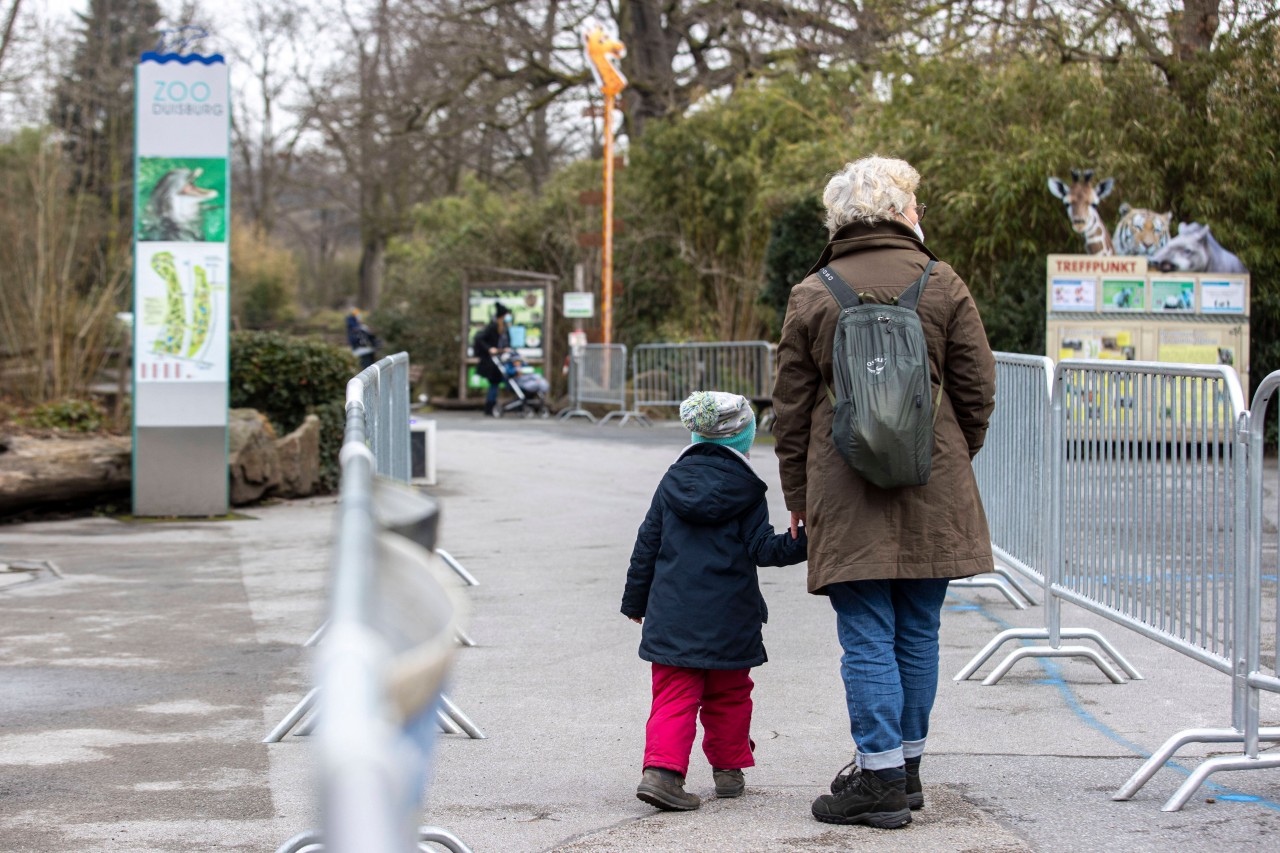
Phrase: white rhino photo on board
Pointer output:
(1195, 250)
(175, 210)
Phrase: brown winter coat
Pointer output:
(856, 530)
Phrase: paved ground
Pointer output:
(134, 690)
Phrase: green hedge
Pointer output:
(289, 378)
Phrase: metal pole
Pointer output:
(606, 260)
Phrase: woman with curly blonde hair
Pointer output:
(884, 556)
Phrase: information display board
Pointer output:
(182, 184)
(1115, 308)
(530, 331)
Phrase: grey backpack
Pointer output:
(883, 424)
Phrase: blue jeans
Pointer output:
(889, 632)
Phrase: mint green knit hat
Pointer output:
(717, 417)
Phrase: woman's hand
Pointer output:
(639, 620)
(797, 519)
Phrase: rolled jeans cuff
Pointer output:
(881, 760)
(913, 748)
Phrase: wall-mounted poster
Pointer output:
(528, 331)
(1074, 294)
(1173, 293)
(1220, 294)
(1197, 346)
(527, 306)
(182, 199)
(1124, 294)
(1110, 343)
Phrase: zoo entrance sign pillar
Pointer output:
(180, 292)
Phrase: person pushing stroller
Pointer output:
(692, 585)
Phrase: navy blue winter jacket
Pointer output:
(693, 568)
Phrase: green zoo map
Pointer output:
(176, 325)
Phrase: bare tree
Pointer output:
(266, 128)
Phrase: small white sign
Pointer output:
(1222, 295)
(579, 306)
(1074, 294)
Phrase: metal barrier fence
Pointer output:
(389, 638)
(1154, 474)
(1012, 474)
(665, 374)
(382, 391)
(1256, 548)
(598, 374)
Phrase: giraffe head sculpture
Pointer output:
(1081, 201)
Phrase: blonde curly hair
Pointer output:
(870, 190)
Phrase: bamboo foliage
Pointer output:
(58, 291)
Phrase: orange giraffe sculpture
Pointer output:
(604, 51)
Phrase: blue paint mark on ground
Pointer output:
(1054, 678)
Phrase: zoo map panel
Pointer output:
(182, 312)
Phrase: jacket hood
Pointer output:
(710, 484)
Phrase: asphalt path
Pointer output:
(137, 682)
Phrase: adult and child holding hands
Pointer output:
(882, 555)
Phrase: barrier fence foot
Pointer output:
(303, 842)
(993, 582)
(293, 717)
(463, 639)
(1213, 765)
(1016, 582)
(626, 416)
(1061, 652)
(1176, 742)
(443, 837)
(457, 567)
(997, 641)
(315, 638)
(570, 414)
(1105, 645)
(307, 726)
(455, 713)
(447, 725)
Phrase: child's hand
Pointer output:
(639, 620)
(797, 519)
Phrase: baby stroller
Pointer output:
(530, 388)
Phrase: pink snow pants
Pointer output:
(723, 696)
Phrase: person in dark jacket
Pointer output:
(363, 342)
(692, 584)
(488, 343)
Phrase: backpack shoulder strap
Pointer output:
(839, 288)
(910, 297)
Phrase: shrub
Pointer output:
(289, 378)
(71, 415)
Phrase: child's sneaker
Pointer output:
(664, 789)
(729, 783)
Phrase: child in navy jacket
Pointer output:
(692, 584)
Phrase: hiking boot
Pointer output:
(664, 789)
(863, 797)
(729, 783)
(915, 791)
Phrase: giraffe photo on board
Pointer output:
(1081, 201)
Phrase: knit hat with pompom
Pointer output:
(717, 417)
